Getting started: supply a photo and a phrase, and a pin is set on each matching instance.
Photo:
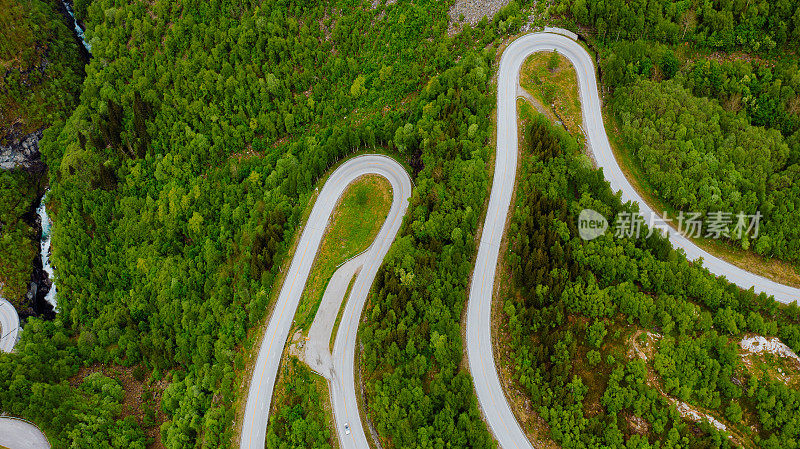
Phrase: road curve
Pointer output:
(343, 387)
(269, 356)
(17, 433)
(9, 326)
(490, 394)
(317, 353)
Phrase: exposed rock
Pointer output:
(638, 425)
(297, 345)
(754, 344)
(687, 411)
(475, 10)
(21, 151)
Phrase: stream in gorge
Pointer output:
(44, 246)
(41, 211)
(78, 30)
(41, 296)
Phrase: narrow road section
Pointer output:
(269, 357)
(343, 386)
(492, 400)
(20, 434)
(317, 350)
(9, 326)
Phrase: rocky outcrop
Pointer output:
(21, 151)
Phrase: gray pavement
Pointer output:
(18, 434)
(9, 326)
(343, 393)
(490, 394)
(317, 350)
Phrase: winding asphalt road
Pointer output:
(9, 326)
(493, 402)
(343, 393)
(20, 434)
(317, 352)
(343, 388)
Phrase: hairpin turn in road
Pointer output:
(492, 400)
(345, 406)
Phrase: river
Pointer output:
(44, 244)
(42, 209)
(78, 30)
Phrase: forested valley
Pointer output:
(41, 69)
(707, 99)
(609, 338)
(179, 179)
(177, 185)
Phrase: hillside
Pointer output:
(41, 71)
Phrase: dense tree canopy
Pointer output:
(179, 181)
(35, 383)
(41, 71)
(575, 306)
(18, 239)
(700, 157)
(751, 25)
(40, 67)
(711, 132)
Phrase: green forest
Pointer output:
(40, 77)
(40, 65)
(178, 182)
(574, 309)
(707, 98)
(180, 176)
(752, 26)
(700, 157)
(18, 193)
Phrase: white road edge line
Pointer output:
(9, 326)
(494, 405)
(343, 393)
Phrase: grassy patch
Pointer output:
(766, 365)
(555, 85)
(526, 114)
(355, 223)
(299, 414)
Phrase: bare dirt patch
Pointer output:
(637, 425)
(142, 399)
(643, 345)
